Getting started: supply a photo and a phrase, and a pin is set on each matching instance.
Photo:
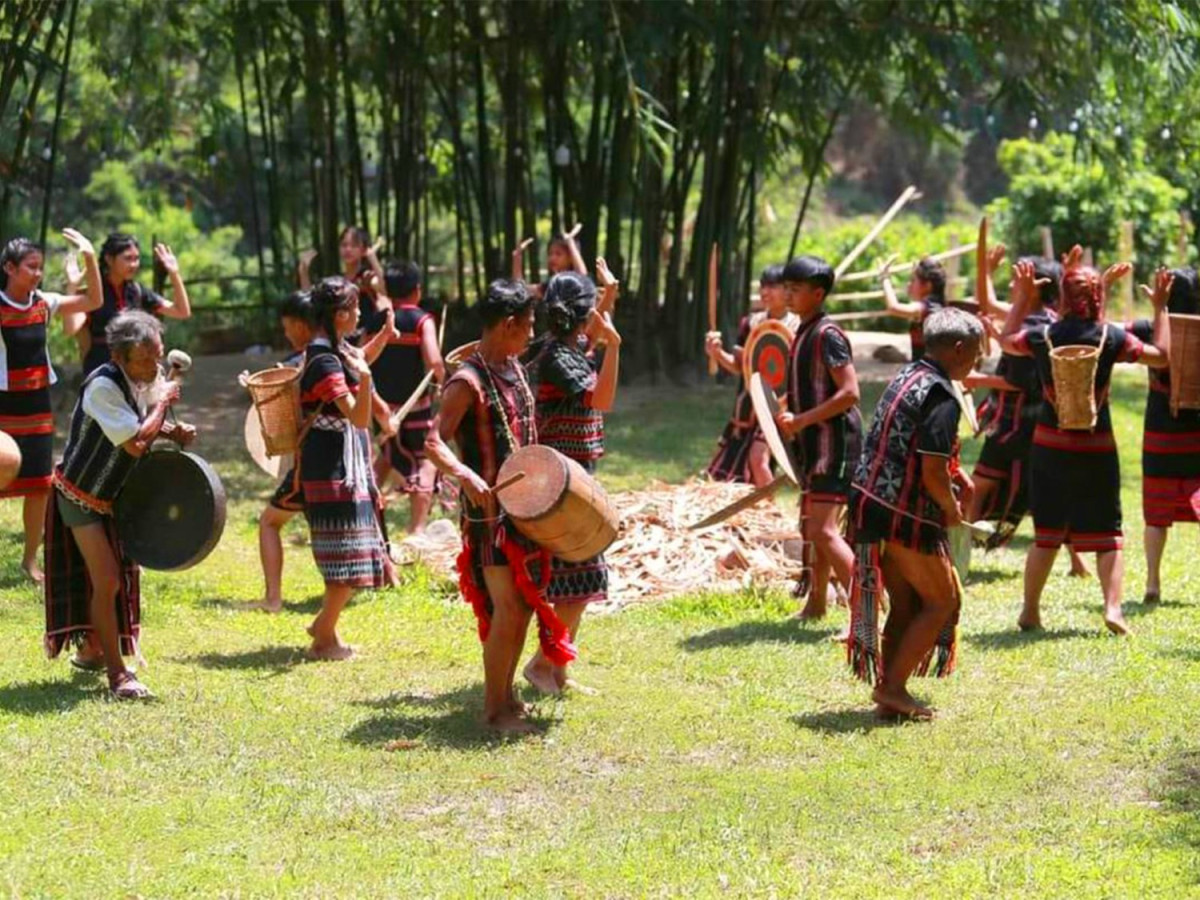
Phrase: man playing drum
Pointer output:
(91, 588)
(823, 419)
(488, 410)
(901, 505)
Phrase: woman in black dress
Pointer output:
(1170, 444)
(1076, 475)
(26, 373)
(341, 501)
(120, 260)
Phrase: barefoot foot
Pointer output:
(1151, 597)
(1115, 622)
(33, 571)
(542, 678)
(811, 612)
(330, 652)
(575, 687)
(1029, 623)
(901, 703)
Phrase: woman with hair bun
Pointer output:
(1075, 489)
(1170, 444)
(574, 391)
(341, 501)
(26, 373)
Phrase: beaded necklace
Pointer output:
(525, 416)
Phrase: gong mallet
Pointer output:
(712, 305)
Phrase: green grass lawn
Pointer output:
(728, 753)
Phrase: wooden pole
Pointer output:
(910, 193)
(1126, 253)
(1047, 242)
(874, 274)
(712, 302)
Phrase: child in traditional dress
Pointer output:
(574, 391)
(399, 370)
(26, 374)
(1076, 475)
(908, 490)
(742, 453)
(1170, 444)
(296, 319)
(488, 410)
(341, 502)
(120, 260)
(823, 420)
(91, 588)
(926, 295)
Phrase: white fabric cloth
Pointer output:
(52, 301)
(104, 402)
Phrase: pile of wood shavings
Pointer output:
(655, 556)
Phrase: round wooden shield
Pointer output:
(171, 512)
(766, 352)
(765, 408)
(274, 466)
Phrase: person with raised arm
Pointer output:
(26, 414)
(1076, 475)
(120, 261)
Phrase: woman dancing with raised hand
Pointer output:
(341, 501)
(360, 266)
(1076, 474)
(1170, 444)
(26, 373)
(574, 391)
(562, 255)
(926, 295)
(120, 260)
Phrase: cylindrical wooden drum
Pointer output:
(10, 460)
(557, 504)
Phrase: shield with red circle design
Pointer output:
(766, 353)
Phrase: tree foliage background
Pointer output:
(245, 131)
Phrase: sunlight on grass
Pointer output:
(728, 753)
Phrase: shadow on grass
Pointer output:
(1141, 608)
(311, 606)
(774, 631)
(452, 720)
(50, 696)
(987, 576)
(844, 721)
(273, 659)
(1012, 639)
(1178, 790)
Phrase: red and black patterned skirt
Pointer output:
(28, 418)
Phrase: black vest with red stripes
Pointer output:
(93, 470)
(400, 367)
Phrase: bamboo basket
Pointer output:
(276, 396)
(1185, 363)
(1074, 368)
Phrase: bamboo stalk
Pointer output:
(910, 193)
(874, 274)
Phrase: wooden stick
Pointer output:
(907, 267)
(981, 280)
(508, 482)
(1047, 242)
(910, 192)
(712, 303)
(397, 417)
(442, 324)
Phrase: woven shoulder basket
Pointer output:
(276, 397)
(1185, 363)
(1074, 368)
